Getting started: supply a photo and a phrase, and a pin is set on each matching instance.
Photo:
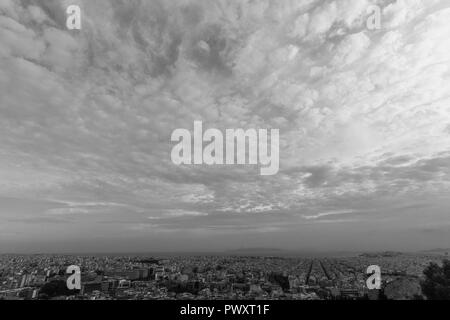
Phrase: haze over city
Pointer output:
(86, 118)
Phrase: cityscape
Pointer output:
(244, 150)
(214, 277)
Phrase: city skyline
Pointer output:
(86, 118)
(125, 277)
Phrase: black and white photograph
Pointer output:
(230, 152)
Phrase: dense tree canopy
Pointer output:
(55, 288)
(436, 285)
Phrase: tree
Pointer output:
(55, 288)
(436, 285)
(279, 279)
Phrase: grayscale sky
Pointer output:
(86, 118)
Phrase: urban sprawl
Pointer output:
(140, 277)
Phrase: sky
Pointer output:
(86, 118)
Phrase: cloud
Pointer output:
(183, 213)
(328, 214)
(351, 49)
(86, 116)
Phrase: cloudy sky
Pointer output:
(86, 118)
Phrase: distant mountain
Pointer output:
(245, 250)
(275, 252)
(386, 254)
(258, 251)
(437, 250)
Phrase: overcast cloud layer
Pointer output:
(86, 118)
